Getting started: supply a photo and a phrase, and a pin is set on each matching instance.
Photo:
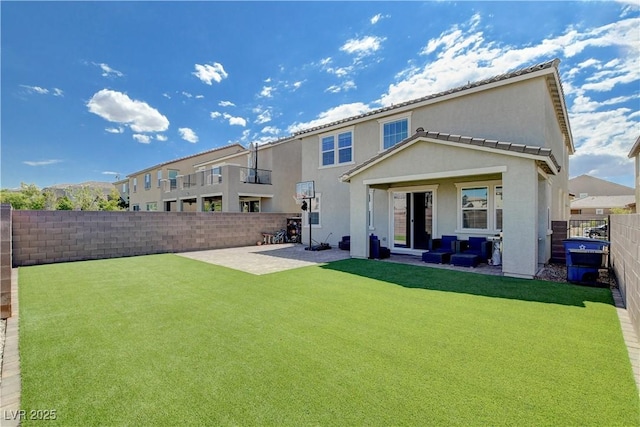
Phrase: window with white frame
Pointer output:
(147, 181)
(135, 184)
(370, 209)
(480, 206)
(498, 207)
(159, 176)
(393, 131)
(315, 214)
(153, 206)
(336, 149)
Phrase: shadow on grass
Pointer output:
(417, 277)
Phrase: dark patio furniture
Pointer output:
(345, 243)
(465, 260)
(440, 250)
(478, 246)
(376, 250)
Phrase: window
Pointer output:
(125, 188)
(394, 132)
(332, 154)
(159, 178)
(249, 205)
(370, 209)
(153, 206)
(480, 206)
(315, 212)
(147, 181)
(475, 202)
(135, 184)
(599, 211)
(498, 205)
(173, 179)
(136, 207)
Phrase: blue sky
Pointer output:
(95, 90)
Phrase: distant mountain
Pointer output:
(61, 189)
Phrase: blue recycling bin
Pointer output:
(584, 257)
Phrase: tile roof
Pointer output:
(556, 93)
(635, 150)
(465, 140)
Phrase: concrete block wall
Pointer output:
(44, 237)
(625, 261)
(5, 261)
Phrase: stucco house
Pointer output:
(231, 178)
(486, 158)
(635, 154)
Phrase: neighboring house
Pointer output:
(227, 179)
(586, 185)
(635, 154)
(593, 198)
(487, 158)
(599, 207)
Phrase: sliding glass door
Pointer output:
(412, 219)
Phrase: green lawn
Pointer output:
(164, 340)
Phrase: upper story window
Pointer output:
(394, 130)
(135, 184)
(159, 177)
(336, 149)
(125, 188)
(147, 181)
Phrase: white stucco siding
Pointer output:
(446, 166)
(520, 230)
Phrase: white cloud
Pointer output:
(215, 114)
(199, 96)
(210, 72)
(141, 138)
(36, 89)
(374, 20)
(110, 173)
(188, 135)
(41, 162)
(161, 137)
(332, 115)
(343, 87)
(187, 94)
(296, 85)
(117, 107)
(166, 95)
(107, 71)
(362, 47)
(271, 130)
(263, 116)
(119, 129)
(266, 91)
(237, 121)
(58, 92)
(226, 104)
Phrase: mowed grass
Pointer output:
(164, 340)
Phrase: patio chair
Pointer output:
(345, 243)
(478, 246)
(440, 250)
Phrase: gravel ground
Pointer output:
(558, 273)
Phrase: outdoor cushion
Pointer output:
(444, 244)
(479, 246)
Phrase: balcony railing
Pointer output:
(189, 181)
(210, 178)
(255, 176)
